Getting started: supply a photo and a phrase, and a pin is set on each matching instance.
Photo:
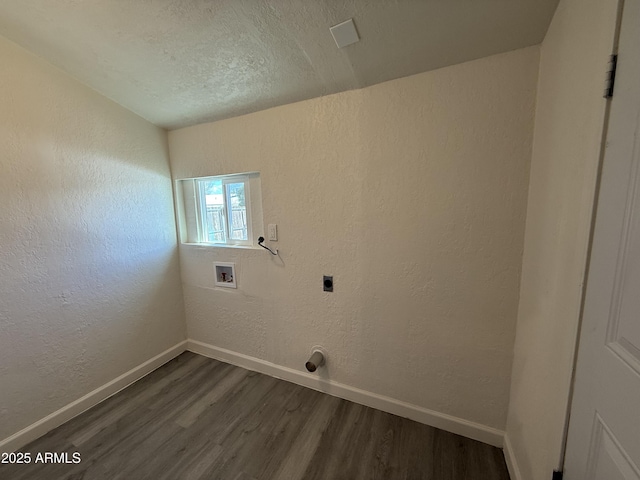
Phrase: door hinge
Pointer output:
(557, 475)
(610, 77)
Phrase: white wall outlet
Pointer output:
(273, 232)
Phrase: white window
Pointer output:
(222, 209)
(219, 210)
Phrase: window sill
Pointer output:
(214, 245)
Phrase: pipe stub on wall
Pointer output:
(316, 361)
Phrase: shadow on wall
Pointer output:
(88, 260)
(89, 264)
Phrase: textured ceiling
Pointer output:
(182, 62)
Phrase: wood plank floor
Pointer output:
(197, 418)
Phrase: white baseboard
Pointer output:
(510, 459)
(66, 413)
(449, 423)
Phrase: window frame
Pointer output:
(201, 209)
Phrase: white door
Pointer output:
(604, 428)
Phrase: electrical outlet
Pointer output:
(273, 232)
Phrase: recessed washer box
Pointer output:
(225, 274)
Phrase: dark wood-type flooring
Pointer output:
(198, 418)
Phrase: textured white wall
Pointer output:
(412, 193)
(568, 130)
(89, 273)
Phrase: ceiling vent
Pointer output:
(345, 33)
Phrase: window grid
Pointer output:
(227, 222)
